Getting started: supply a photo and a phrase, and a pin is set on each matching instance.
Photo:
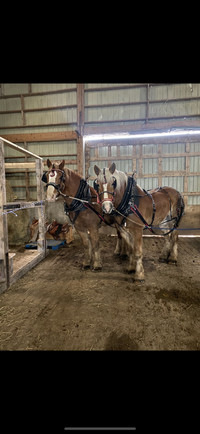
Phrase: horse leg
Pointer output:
(87, 248)
(121, 247)
(173, 254)
(166, 250)
(127, 246)
(124, 249)
(117, 250)
(94, 239)
(139, 269)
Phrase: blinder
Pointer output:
(114, 184)
(96, 186)
(44, 177)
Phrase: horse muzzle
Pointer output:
(107, 206)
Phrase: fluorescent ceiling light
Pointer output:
(126, 136)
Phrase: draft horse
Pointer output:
(80, 205)
(135, 209)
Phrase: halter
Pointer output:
(56, 186)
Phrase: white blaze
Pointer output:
(50, 188)
(106, 203)
(105, 191)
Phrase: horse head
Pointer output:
(54, 179)
(105, 185)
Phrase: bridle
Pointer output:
(56, 186)
(105, 191)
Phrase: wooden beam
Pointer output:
(80, 108)
(80, 127)
(140, 127)
(41, 245)
(20, 165)
(29, 263)
(80, 155)
(20, 149)
(27, 176)
(4, 256)
(41, 137)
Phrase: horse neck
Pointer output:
(72, 181)
(141, 192)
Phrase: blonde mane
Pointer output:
(121, 177)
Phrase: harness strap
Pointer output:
(78, 206)
(136, 211)
(153, 204)
(124, 207)
(89, 206)
(128, 203)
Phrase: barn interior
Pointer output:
(150, 129)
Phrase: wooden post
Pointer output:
(4, 257)
(26, 176)
(160, 165)
(187, 172)
(147, 108)
(41, 210)
(80, 127)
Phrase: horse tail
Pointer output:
(180, 209)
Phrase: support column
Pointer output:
(80, 126)
(4, 256)
(41, 210)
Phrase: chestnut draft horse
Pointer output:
(135, 209)
(80, 205)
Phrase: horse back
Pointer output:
(171, 197)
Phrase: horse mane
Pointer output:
(72, 172)
(121, 177)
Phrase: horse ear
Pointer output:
(97, 170)
(49, 163)
(61, 165)
(112, 168)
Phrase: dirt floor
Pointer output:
(59, 306)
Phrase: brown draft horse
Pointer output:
(81, 206)
(134, 209)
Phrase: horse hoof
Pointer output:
(138, 280)
(85, 267)
(97, 269)
(123, 257)
(171, 262)
(163, 260)
(129, 271)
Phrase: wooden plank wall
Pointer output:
(4, 259)
(48, 132)
(6, 277)
(99, 108)
(134, 160)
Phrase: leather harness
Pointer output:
(128, 205)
